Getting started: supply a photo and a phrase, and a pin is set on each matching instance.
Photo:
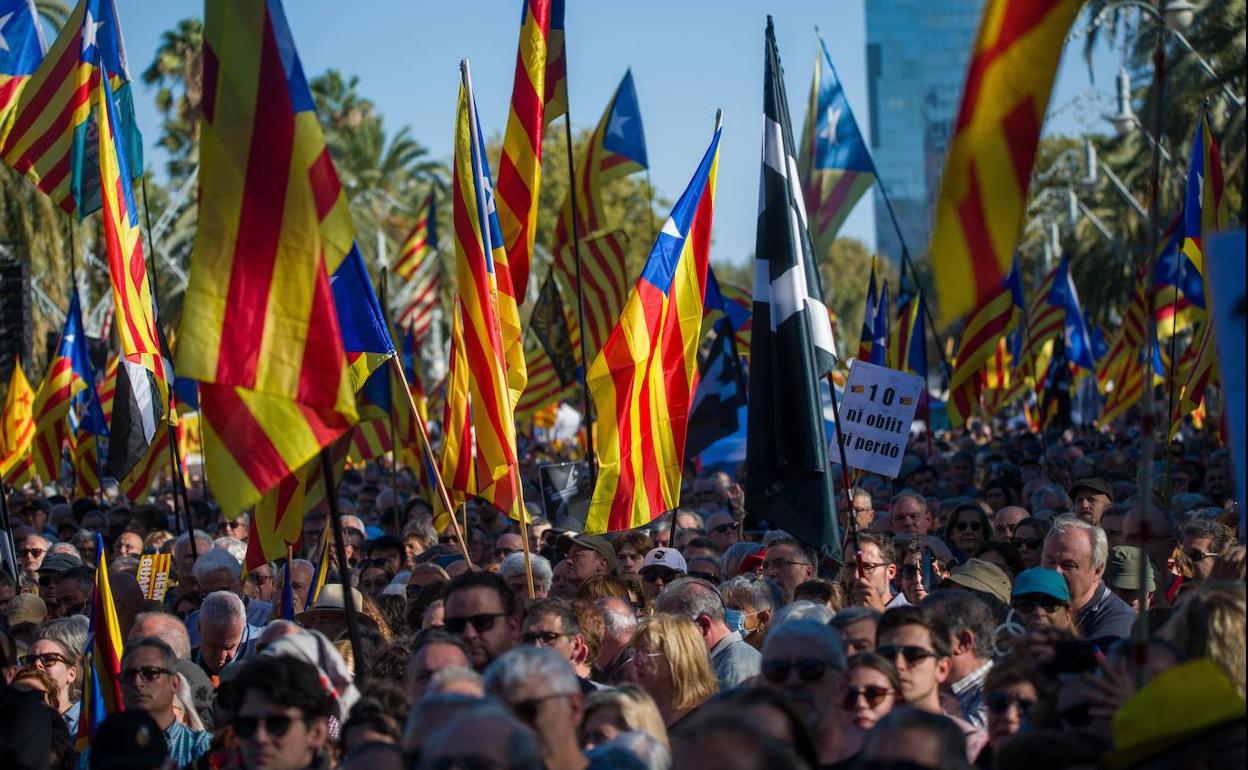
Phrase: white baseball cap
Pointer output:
(665, 557)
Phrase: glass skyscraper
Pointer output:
(917, 54)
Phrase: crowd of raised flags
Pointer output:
(293, 355)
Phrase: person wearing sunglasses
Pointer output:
(1009, 693)
(803, 662)
(540, 688)
(1029, 540)
(282, 722)
(54, 657)
(967, 529)
(872, 688)
(722, 530)
(1041, 598)
(31, 552)
(554, 624)
(917, 641)
(481, 610)
(149, 684)
(661, 567)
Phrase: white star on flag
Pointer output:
(617, 124)
(4, 44)
(834, 117)
(89, 31)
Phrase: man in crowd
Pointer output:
(910, 515)
(874, 588)
(1203, 542)
(1005, 520)
(587, 556)
(149, 683)
(224, 633)
(1079, 551)
(283, 714)
(553, 624)
(1092, 497)
(789, 563)
(218, 570)
(434, 650)
(973, 643)
(481, 610)
(803, 662)
(620, 624)
(540, 688)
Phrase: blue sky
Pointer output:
(689, 57)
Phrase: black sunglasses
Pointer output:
(911, 653)
(544, 638)
(276, 725)
(722, 528)
(874, 696)
(1027, 542)
(146, 673)
(808, 670)
(963, 526)
(480, 623)
(666, 574)
(1029, 604)
(999, 703)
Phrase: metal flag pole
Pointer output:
(344, 569)
(179, 489)
(580, 304)
(849, 490)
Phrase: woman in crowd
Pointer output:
(668, 659)
(611, 712)
(967, 529)
(1009, 692)
(1029, 540)
(56, 652)
(872, 688)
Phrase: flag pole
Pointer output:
(344, 569)
(849, 490)
(178, 487)
(434, 470)
(394, 434)
(580, 303)
(73, 291)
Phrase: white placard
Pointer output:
(876, 414)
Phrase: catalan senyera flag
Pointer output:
(834, 163)
(66, 397)
(417, 316)
(983, 335)
(983, 192)
(108, 386)
(101, 694)
(555, 85)
(1205, 211)
(456, 457)
(320, 572)
(643, 381)
(907, 344)
(141, 387)
(260, 327)
(867, 336)
(879, 333)
(48, 131)
(605, 278)
(21, 52)
(420, 242)
(520, 164)
(1178, 285)
(491, 323)
(17, 428)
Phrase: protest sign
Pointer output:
(153, 575)
(876, 414)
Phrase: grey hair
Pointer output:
(692, 513)
(858, 492)
(85, 535)
(964, 611)
(236, 547)
(168, 658)
(422, 528)
(220, 609)
(214, 560)
(446, 676)
(522, 749)
(172, 631)
(526, 664)
(691, 598)
(771, 536)
(851, 615)
(951, 754)
(816, 636)
(803, 610)
(1065, 524)
(123, 564)
(203, 541)
(630, 748)
(746, 590)
(71, 633)
(186, 701)
(907, 494)
(731, 559)
(67, 549)
(619, 625)
(513, 565)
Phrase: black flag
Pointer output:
(550, 325)
(788, 478)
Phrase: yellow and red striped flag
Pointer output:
(556, 79)
(456, 457)
(520, 165)
(491, 323)
(983, 192)
(101, 692)
(643, 380)
(67, 406)
(17, 428)
(417, 317)
(420, 242)
(260, 330)
(108, 387)
(983, 338)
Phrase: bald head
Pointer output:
(1005, 520)
(165, 627)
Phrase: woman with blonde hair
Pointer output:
(1210, 624)
(611, 712)
(667, 658)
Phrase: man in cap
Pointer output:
(1122, 575)
(1092, 497)
(660, 567)
(588, 556)
(53, 566)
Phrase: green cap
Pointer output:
(1123, 570)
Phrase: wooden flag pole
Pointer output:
(524, 539)
(849, 490)
(344, 569)
(435, 471)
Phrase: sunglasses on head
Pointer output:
(480, 623)
(911, 653)
(1000, 702)
(964, 525)
(1027, 542)
(1028, 604)
(808, 670)
(275, 725)
(873, 695)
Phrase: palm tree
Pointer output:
(178, 72)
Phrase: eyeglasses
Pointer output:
(963, 526)
(909, 571)
(643, 657)
(43, 660)
(809, 670)
(1027, 605)
(32, 552)
(723, 528)
(275, 725)
(782, 563)
(526, 710)
(868, 567)
(1027, 542)
(541, 638)
(911, 653)
(1000, 702)
(856, 509)
(503, 553)
(232, 525)
(872, 694)
(654, 574)
(480, 623)
(1196, 556)
(146, 673)
(260, 579)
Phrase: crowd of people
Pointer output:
(1006, 602)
